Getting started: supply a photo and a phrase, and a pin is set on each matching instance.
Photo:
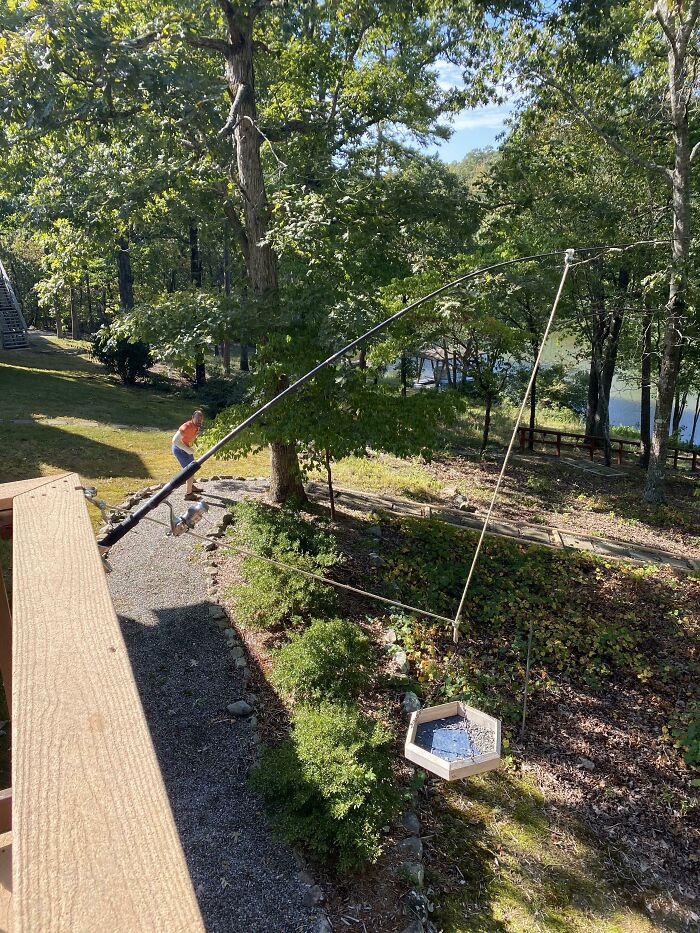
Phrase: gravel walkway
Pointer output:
(244, 877)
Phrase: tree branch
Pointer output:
(694, 151)
(614, 143)
(667, 30)
(207, 42)
(232, 118)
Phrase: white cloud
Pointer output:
(485, 117)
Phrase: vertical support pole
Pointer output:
(695, 455)
(558, 443)
(619, 453)
(527, 676)
(675, 458)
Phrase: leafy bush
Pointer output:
(557, 388)
(130, 361)
(272, 595)
(330, 786)
(332, 658)
(686, 732)
(219, 393)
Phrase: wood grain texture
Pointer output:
(5, 646)
(95, 847)
(8, 491)
(6, 883)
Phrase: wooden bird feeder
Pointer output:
(454, 740)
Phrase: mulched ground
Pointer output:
(553, 493)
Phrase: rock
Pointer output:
(226, 520)
(411, 847)
(239, 708)
(391, 636)
(237, 652)
(418, 904)
(323, 925)
(375, 531)
(222, 625)
(586, 763)
(413, 872)
(313, 897)
(375, 560)
(252, 698)
(214, 479)
(212, 546)
(410, 702)
(415, 926)
(217, 612)
(253, 722)
(465, 507)
(402, 661)
(241, 662)
(411, 823)
(305, 877)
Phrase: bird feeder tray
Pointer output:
(454, 740)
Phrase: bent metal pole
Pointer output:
(118, 531)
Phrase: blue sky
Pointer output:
(473, 128)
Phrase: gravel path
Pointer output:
(244, 877)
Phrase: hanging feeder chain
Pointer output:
(118, 531)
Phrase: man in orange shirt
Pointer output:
(183, 451)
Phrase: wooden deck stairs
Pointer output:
(13, 329)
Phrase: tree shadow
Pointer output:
(73, 387)
(32, 447)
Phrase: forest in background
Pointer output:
(197, 175)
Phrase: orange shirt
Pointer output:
(188, 431)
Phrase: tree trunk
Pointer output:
(125, 275)
(533, 400)
(645, 412)
(285, 475)
(487, 424)
(226, 356)
(59, 322)
(403, 374)
(593, 391)
(261, 261)
(74, 315)
(331, 494)
(195, 258)
(200, 366)
(696, 415)
(244, 364)
(654, 490)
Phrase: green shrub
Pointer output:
(130, 361)
(330, 786)
(686, 732)
(333, 658)
(272, 596)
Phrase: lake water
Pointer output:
(625, 399)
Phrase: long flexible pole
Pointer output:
(118, 531)
(457, 619)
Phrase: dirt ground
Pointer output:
(543, 490)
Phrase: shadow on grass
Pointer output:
(59, 385)
(31, 447)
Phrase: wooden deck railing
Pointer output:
(621, 446)
(91, 839)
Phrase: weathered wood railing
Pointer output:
(90, 843)
(621, 446)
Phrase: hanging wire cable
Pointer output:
(567, 266)
(307, 573)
